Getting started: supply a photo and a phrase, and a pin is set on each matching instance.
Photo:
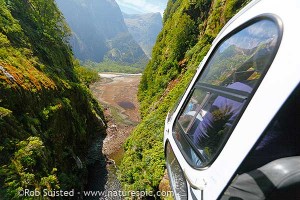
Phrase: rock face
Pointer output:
(144, 28)
(98, 28)
(48, 117)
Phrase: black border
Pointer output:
(267, 16)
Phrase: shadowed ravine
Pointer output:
(117, 94)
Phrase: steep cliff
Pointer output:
(98, 29)
(188, 30)
(48, 118)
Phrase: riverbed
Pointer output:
(117, 94)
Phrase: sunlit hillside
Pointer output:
(187, 34)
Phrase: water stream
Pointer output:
(102, 174)
(118, 93)
(97, 172)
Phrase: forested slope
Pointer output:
(187, 34)
(99, 32)
(47, 116)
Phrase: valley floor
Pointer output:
(118, 94)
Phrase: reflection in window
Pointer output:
(222, 90)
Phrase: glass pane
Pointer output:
(242, 57)
(194, 111)
(222, 91)
(188, 152)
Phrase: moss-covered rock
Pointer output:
(48, 117)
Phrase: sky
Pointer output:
(142, 6)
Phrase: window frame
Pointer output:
(271, 17)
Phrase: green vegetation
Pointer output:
(183, 42)
(86, 75)
(26, 161)
(124, 49)
(111, 66)
(120, 117)
(48, 117)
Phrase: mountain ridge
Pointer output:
(144, 28)
(95, 25)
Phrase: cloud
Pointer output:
(142, 6)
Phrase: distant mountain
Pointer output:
(144, 28)
(97, 29)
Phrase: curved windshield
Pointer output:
(222, 91)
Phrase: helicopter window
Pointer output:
(223, 90)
